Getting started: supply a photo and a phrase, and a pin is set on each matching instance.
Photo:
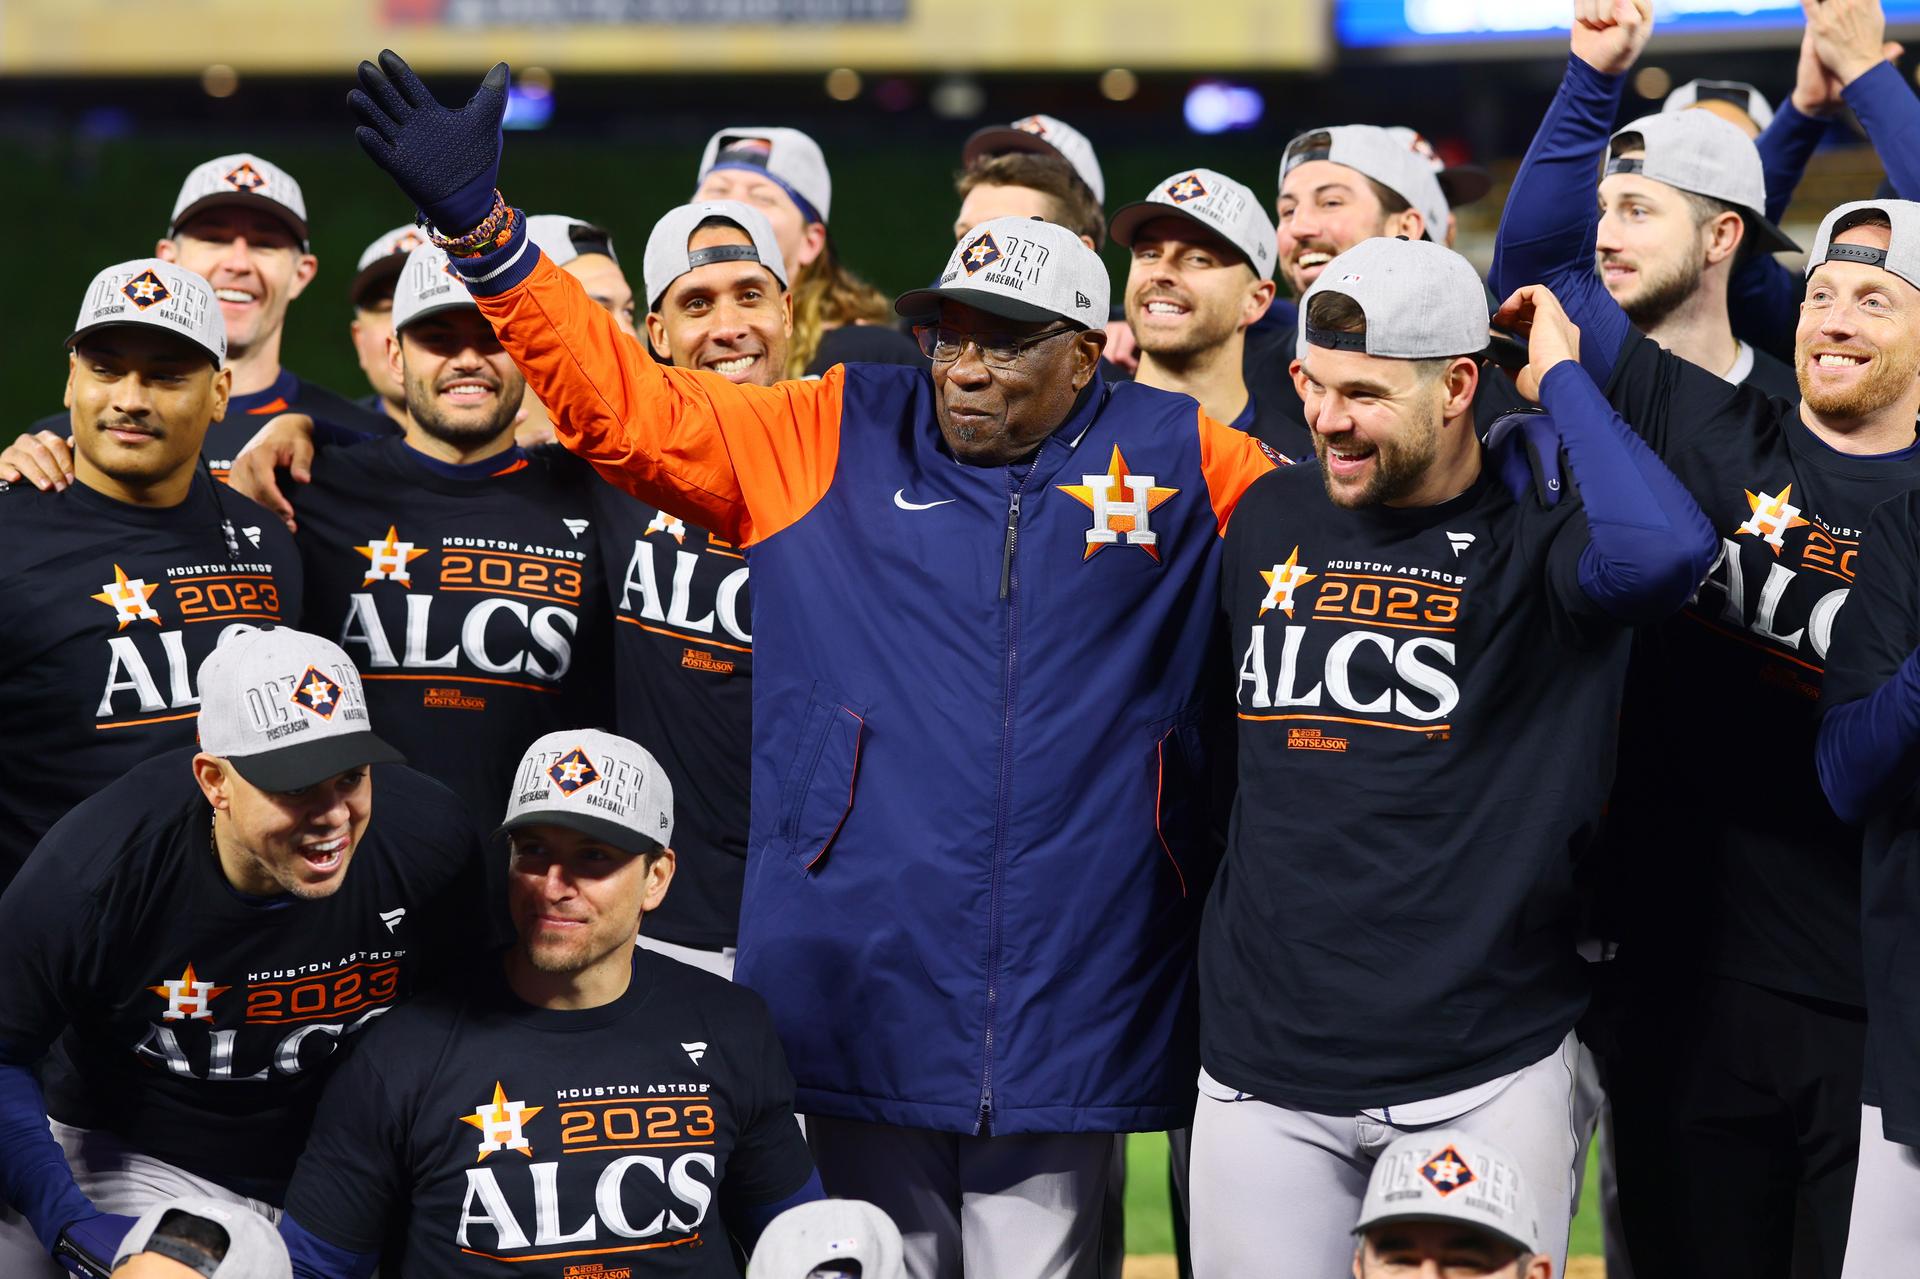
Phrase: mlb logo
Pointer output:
(1447, 1172)
(573, 771)
(317, 693)
(145, 290)
(982, 252)
(1187, 188)
(245, 178)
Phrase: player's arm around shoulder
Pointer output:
(1231, 460)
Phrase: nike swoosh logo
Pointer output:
(900, 500)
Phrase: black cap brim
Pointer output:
(924, 304)
(296, 767)
(610, 833)
(1767, 237)
(1442, 1219)
(205, 350)
(243, 199)
(379, 276)
(1132, 217)
(999, 139)
(1464, 183)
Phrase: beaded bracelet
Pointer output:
(496, 230)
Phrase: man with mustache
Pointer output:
(980, 643)
(456, 568)
(1201, 276)
(138, 568)
(1736, 906)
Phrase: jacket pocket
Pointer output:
(1180, 790)
(818, 793)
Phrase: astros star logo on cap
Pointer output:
(572, 771)
(146, 289)
(1032, 124)
(982, 252)
(245, 178)
(1447, 1172)
(317, 693)
(1187, 188)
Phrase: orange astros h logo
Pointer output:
(387, 560)
(246, 178)
(1116, 518)
(1447, 1172)
(188, 998)
(502, 1124)
(573, 771)
(668, 524)
(128, 597)
(983, 252)
(145, 289)
(317, 693)
(1282, 581)
(1187, 188)
(1772, 517)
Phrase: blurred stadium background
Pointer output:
(106, 104)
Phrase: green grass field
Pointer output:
(1150, 1228)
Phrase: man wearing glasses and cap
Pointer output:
(1753, 938)
(191, 947)
(574, 1051)
(980, 640)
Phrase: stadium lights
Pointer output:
(843, 84)
(220, 81)
(530, 100)
(1118, 84)
(1215, 106)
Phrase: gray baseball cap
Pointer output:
(1459, 183)
(241, 179)
(598, 784)
(1698, 151)
(154, 294)
(668, 257)
(1738, 92)
(1392, 161)
(812, 1236)
(286, 709)
(1448, 1175)
(1023, 269)
(1215, 201)
(1902, 254)
(1041, 135)
(1422, 301)
(788, 156)
(563, 238)
(380, 262)
(253, 1247)
(427, 284)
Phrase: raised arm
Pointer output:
(1551, 221)
(743, 461)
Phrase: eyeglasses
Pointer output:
(997, 350)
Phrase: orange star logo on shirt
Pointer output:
(189, 998)
(1122, 505)
(128, 597)
(1282, 581)
(1772, 517)
(502, 1124)
(387, 561)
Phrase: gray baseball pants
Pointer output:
(1012, 1207)
(1884, 1232)
(1275, 1192)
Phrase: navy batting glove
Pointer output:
(87, 1246)
(446, 161)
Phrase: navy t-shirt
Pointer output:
(106, 612)
(1426, 702)
(601, 1142)
(195, 1023)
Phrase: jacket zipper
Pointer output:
(1009, 585)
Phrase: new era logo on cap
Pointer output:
(983, 252)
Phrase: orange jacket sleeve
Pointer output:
(743, 461)
(1231, 460)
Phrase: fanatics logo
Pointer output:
(983, 252)
(1115, 518)
(246, 178)
(573, 771)
(668, 524)
(1459, 542)
(1447, 1172)
(188, 998)
(1772, 517)
(695, 1050)
(1187, 188)
(392, 918)
(128, 598)
(502, 1124)
(575, 527)
(317, 693)
(388, 560)
(1282, 580)
(145, 289)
